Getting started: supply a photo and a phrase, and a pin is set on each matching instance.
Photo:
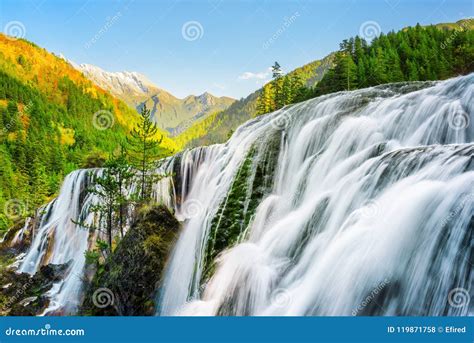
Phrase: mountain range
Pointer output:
(218, 128)
(57, 116)
(170, 112)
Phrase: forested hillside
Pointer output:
(53, 120)
(417, 53)
(413, 54)
(44, 100)
(220, 126)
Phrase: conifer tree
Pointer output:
(276, 71)
(277, 85)
(111, 187)
(124, 175)
(146, 150)
(106, 189)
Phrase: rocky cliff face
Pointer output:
(25, 295)
(126, 284)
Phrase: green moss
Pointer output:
(135, 267)
(6, 259)
(253, 180)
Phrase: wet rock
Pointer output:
(126, 285)
(24, 295)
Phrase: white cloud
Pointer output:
(255, 76)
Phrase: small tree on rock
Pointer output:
(145, 148)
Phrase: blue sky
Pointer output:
(228, 45)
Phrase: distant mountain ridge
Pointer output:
(52, 120)
(120, 84)
(171, 113)
(218, 128)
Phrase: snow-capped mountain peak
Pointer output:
(170, 113)
(118, 83)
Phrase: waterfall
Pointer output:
(367, 211)
(60, 239)
(354, 203)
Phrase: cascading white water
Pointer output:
(59, 239)
(369, 196)
(370, 211)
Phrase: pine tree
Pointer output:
(277, 85)
(345, 72)
(260, 106)
(276, 71)
(146, 150)
(107, 190)
(395, 73)
(124, 174)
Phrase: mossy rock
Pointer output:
(253, 180)
(127, 282)
(7, 246)
(24, 295)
